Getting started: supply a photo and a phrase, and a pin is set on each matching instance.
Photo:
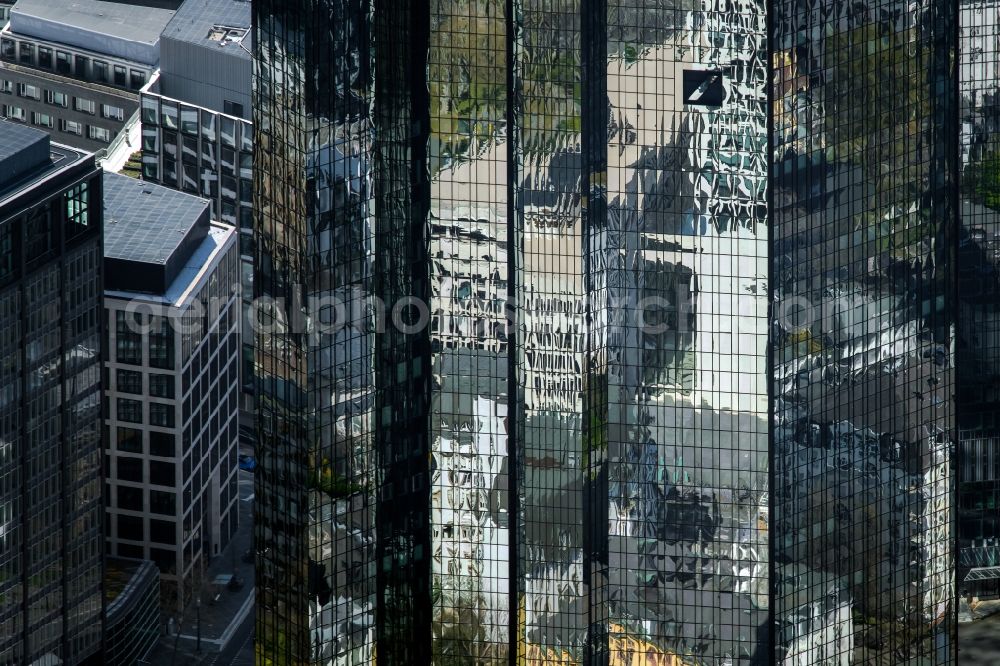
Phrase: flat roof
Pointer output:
(204, 22)
(28, 157)
(150, 231)
(200, 264)
(128, 29)
(22, 149)
(145, 222)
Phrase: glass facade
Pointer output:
(863, 279)
(50, 422)
(507, 184)
(133, 615)
(654, 318)
(978, 346)
(315, 516)
(208, 154)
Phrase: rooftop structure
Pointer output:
(205, 56)
(27, 158)
(129, 30)
(21, 149)
(216, 24)
(150, 234)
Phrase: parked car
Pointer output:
(247, 463)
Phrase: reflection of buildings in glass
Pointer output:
(863, 409)
(51, 541)
(687, 460)
(468, 424)
(979, 295)
(639, 515)
(313, 361)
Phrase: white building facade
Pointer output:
(172, 391)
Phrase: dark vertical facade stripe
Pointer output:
(594, 148)
(402, 198)
(513, 314)
(766, 652)
(281, 41)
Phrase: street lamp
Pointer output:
(197, 606)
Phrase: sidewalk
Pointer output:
(978, 611)
(219, 619)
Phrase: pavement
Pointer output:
(978, 611)
(226, 623)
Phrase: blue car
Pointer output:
(247, 463)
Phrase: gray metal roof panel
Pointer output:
(194, 21)
(29, 159)
(144, 222)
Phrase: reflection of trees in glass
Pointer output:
(467, 70)
(596, 431)
(460, 635)
(876, 95)
(466, 74)
(877, 105)
(982, 180)
(322, 477)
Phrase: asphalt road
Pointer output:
(239, 650)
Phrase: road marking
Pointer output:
(233, 625)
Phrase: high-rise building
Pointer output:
(864, 225)
(51, 541)
(196, 134)
(978, 342)
(172, 305)
(746, 254)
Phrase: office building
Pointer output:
(172, 305)
(865, 226)
(497, 488)
(74, 69)
(978, 397)
(196, 133)
(196, 137)
(133, 616)
(745, 412)
(50, 402)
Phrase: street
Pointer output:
(239, 650)
(227, 621)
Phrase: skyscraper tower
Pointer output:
(864, 223)
(596, 328)
(978, 363)
(51, 541)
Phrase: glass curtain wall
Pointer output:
(978, 394)
(863, 336)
